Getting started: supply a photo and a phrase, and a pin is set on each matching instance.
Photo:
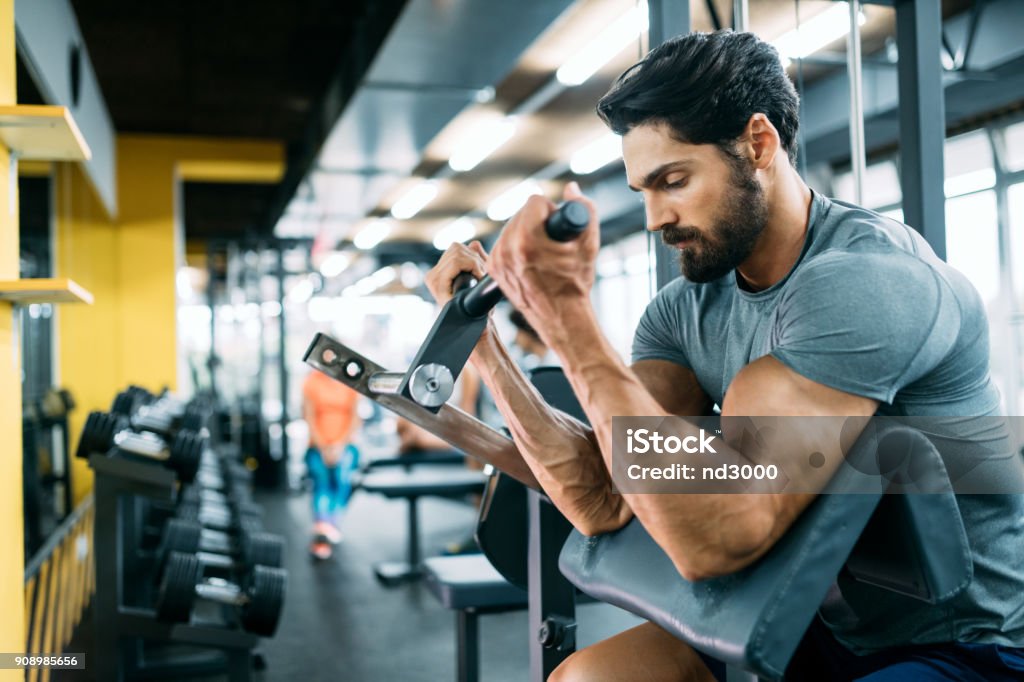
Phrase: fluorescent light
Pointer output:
(301, 292)
(413, 201)
(597, 154)
(505, 205)
(367, 285)
(270, 308)
(481, 142)
(335, 264)
(372, 234)
(970, 182)
(823, 29)
(459, 230)
(610, 42)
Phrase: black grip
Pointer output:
(564, 225)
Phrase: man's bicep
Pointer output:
(811, 417)
(674, 387)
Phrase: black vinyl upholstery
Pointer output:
(755, 618)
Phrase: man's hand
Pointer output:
(458, 258)
(540, 276)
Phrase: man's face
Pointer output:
(706, 205)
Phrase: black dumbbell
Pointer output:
(259, 598)
(104, 431)
(233, 552)
(248, 516)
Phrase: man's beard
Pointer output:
(715, 252)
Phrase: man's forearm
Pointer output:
(560, 451)
(695, 530)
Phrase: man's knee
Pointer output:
(577, 668)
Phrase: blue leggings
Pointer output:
(332, 486)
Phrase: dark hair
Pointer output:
(705, 87)
(519, 320)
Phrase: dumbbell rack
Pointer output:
(122, 616)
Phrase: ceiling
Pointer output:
(257, 69)
(370, 95)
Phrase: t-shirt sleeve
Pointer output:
(658, 336)
(865, 323)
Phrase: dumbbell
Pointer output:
(162, 415)
(246, 515)
(105, 431)
(238, 553)
(259, 597)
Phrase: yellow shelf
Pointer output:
(42, 133)
(58, 290)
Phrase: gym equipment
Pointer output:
(913, 544)
(217, 548)
(103, 432)
(422, 481)
(259, 600)
(126, 490)
(430, 379)
(471, 587)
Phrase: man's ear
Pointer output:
(762, 141)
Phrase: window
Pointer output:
(881, 186)
(972, 241)
(968, 164)
(1013, 155)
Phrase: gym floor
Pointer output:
(339, 623)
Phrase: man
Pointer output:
(791, 304)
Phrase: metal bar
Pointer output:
(858, 157)
(922, 119)
(282, 358)
(667, 18)
(467, 648)
(211, 362)
(965, 51)
(414, 534)
(740, 15)
(451, 424)
(551, 598)
(716, 21)
(44, 552)
(387, 383)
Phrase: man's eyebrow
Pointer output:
(649, 179)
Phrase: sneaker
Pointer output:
(467, 546)
(328, 530)
(321, 548)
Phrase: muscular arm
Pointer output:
(710, 534)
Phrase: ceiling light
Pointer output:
(413, 201)
(372, 234)
(598, 52)
(460, 230)
(597, 154)
(481, 142)
(335, 264)
(823, 29)
(367, 285)
(505, 205)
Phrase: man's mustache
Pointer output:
(673, 234)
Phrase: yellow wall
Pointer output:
(12, 561)
(129, 264)
(88, 337)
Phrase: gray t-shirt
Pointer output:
(870, 310)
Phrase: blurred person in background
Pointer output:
(329, 408)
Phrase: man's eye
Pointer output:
(675, 184)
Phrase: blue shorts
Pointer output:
(821, 657)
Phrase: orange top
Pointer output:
(333, 405)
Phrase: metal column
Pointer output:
(283, 358)
(667, 18)
(854, 67)
(922, 119)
